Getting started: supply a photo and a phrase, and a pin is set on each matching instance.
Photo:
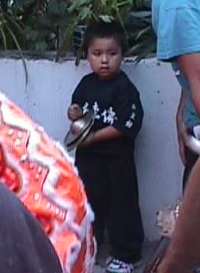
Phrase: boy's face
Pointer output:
(105, 56)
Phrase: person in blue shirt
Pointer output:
(169, 47)
(177, 25)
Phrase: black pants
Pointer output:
(24, 247)
(111, 186)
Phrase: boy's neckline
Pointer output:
(109, 79)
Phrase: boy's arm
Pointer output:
(130, 112)
(74, 111)
(101, 135)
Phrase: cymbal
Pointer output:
(79, 130)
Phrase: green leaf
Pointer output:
(3, 37)
(85, 13)
(20, 3)
(142, 32)
(106, 18)
(76, 5)
(20, 51)
(41, 46)
(57, 8)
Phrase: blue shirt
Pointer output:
(177, 25)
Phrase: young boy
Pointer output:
(105, 160)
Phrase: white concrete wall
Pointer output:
(47, 96)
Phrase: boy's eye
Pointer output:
(96, 53)
(113, 53)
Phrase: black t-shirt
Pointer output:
(116, 103)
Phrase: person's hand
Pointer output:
(166, 220)
(88, 141)
(74, 112)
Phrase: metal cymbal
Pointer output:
(79, 130)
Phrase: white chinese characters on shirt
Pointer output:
(130, 121)
(108, 116)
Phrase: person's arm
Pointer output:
(190, 66)
(184, 251)
(75, 110)
(101, 135)
(181, 130)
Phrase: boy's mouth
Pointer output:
(104, 68)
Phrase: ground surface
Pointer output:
(148, 249)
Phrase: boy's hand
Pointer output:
(88, 141)
(74, 112)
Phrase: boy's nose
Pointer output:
(104, 58)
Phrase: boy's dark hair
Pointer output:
(102, 29)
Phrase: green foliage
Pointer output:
(45, 25)
(142, 40)
(83, 12)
